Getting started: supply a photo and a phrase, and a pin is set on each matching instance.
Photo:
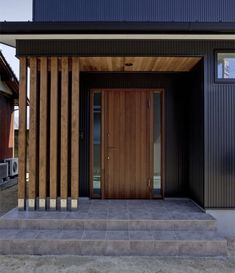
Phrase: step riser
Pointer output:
(113, 248)
(152, 225)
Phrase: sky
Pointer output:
(14, 10)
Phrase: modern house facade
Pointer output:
(9, 93)
(129, 99)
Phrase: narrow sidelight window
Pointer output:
(157, 189)
(96, 176)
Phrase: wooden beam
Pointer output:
(54, 133)
(64, 134)
(75, 134)
(43, 134)
(33, 133)
(22, 133)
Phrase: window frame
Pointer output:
(217, 79)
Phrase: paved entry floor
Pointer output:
(121, 210)
(114, 228)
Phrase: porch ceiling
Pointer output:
(130, 64)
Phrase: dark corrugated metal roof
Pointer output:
(135, 10)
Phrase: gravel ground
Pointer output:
(8, 199)
(74, 264)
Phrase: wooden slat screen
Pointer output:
(33, 136)
(43, 139)
(53, 133)
(64, 133)
(75, 133)
(22, 134)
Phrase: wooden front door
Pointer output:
(127, 137)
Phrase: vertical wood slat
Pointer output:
(33, 133)
(54, 133)
(22, 133)
(75, 134)
(43, 134)
(64, 134)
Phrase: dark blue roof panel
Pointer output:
(134, 10)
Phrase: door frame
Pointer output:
(101, 91)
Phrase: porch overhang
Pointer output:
(12, 31)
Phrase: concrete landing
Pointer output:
(122, 228)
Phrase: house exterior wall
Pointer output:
(6, 127)
(219, 100)
(134, 10)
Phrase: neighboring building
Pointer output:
(129, 99)
(9, 92)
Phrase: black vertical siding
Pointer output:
(218, 102)
(135, 10)
(84, 139)
(196, 133)
(220, 147)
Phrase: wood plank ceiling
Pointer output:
(129, 64)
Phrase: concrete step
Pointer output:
(79, 221)
(111, 243)
(97, 224)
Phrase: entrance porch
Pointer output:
(144, 145)
(114, 227)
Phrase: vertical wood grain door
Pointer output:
(127, 138)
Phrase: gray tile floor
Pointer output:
(113, 227)
(121, 210)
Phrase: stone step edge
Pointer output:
(108, 224)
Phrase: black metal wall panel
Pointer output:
(111, 47)
(135, 10)
(219, 101)
(196, 133)
(220, 147)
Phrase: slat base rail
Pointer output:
(32, 204)
(21, 204)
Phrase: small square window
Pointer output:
(225, 66)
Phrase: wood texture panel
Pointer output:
(75, 131)
(126, 144)
(22, 133)
(43, 162)
(54, 111)
(64, 131)
(131, 64)
(33, 133)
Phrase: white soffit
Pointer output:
(11, 39)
